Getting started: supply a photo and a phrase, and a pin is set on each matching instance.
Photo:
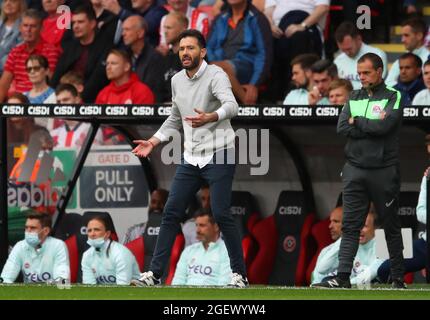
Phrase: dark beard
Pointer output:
(194, 63)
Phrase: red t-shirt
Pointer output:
(17, 57)
(50, 32)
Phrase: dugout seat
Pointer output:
(321, 235)
(245, 211)
(137, 247)
(178, 247)
(69, 225)
(283, 239)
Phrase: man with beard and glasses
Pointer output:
(301, 70)
(202, 104)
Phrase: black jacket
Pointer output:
(95, 70)
(149, 67)
(372, 142)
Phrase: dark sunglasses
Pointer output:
(35, 69)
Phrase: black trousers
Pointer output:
(360, 187)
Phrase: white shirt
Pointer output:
(347, 67)
(285, 6)
(422, 98)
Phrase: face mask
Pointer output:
(32, 239)
(96, 243)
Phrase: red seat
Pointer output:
(321, 235)
(72, 248)
(137, 247)
(266, 236)
(175, 254)
(307, 250)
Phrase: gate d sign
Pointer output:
(112, 178)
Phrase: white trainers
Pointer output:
(146, 279)
(238, 281)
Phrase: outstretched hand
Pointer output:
(143, 148)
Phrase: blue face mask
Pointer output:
(32, 239)
(96, 243)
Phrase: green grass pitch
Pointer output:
(81, 292)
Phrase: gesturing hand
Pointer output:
(201, 118)
(143, 148)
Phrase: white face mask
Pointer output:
(32, 238)
(96, 243)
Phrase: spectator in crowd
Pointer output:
(10, 20)
(85, 53)
(205, 263)
(147, 63)
(338, 91)
(148, 9)
(196, 19)
(423, 97)
(410, 80)
(70, 133)
(302, 74)
(352, 47)
(240, 44)
(297, 28)
(108, 24)
(19, 129)
(156, 207)
(189, 226)
(419, 247)
(14, 69)
(323, 73)
(75, 79)
(40, 257)
(106, 261)
(125, 87)
(38, 70)
(174, 25)
(413, 33)
(52, 32)
(365, 265)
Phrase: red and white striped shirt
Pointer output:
(17, 57)
(196, 20)
(65, 136)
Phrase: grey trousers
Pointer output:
(360, 187)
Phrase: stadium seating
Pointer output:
(175, 254)
(283, 240)
(70, 224)
(137, 247)
(245, 211)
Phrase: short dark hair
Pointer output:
(305, 60)
(418, 25)
(39, 58)
(45, 219)
(205, 212)
(194, 34)
(66, 87)
(374, 58)
(19, 96)
(325, 65)
(409, 55)
(427, 63)
(87, 10)
(346, 28)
